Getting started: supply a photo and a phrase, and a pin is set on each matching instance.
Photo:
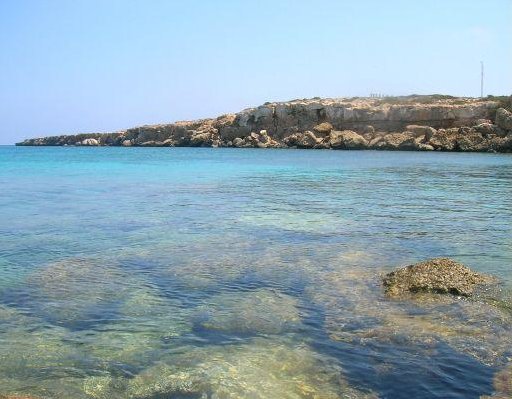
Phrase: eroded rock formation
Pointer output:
(412, 123)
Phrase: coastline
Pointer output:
(412, 123)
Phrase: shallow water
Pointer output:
(225, 273)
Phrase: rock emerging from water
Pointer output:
(439, 275)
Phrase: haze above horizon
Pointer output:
(68, 67)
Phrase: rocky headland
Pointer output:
(422, 123)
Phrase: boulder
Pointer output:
(238, 142)
(472, 141)
(302, 140)
(372, 141)
(394, 141)
(481, 121)
(438, 275)
(425, 147)
(127, 143)
(368, 129)
(151, 143)
(307, 140)
(322, 145)
(415, 144)
(90, 142)
(504, 119)
(347, 140)
(423, 131)
(323, 128)
(203, 138)
(488, 129)
(500, 144)
(444, 139)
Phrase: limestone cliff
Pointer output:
(397, 123)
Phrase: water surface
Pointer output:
(223, 273)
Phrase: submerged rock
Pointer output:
(104, 387)
(502, 384)
(262, 311)
(28, 345)
(75, 290)
(145, 323)
(439, 275)
(261, 369)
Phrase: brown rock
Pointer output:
(302, 140)
(500, 144)
(347, 140)
(394, 141)
(439, 275)
(368, 129)
(424, 131)
(445, 140)
(307, 140)
(488, 129)
(504, 119)
(472, 141)
(323, 128)
(238, 142)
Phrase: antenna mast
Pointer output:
(481, 79)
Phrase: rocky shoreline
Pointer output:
(411, 123)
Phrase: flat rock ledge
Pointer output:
(438, 276)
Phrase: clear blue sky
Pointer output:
(70, 66)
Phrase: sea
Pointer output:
(152, 273)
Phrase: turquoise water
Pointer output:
(240, 273)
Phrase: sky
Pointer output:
(104, 65)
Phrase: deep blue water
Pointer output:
(220, 273)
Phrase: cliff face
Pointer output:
(407, 123)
